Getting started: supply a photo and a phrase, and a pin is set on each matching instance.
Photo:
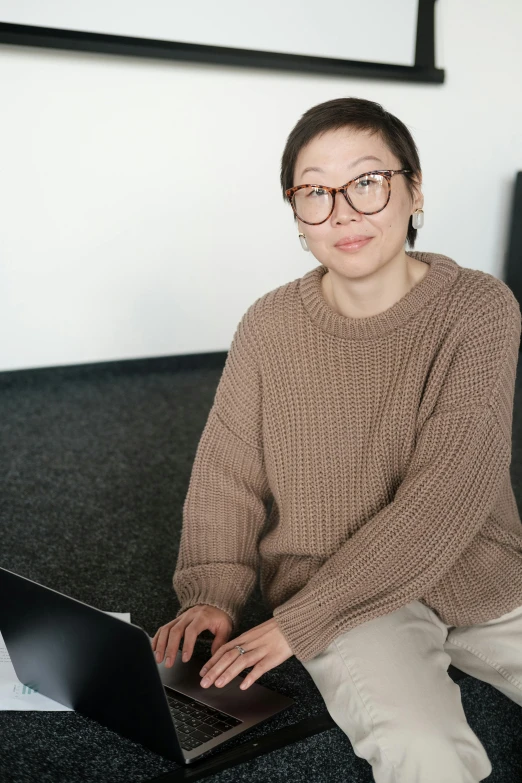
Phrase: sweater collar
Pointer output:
(441, 274)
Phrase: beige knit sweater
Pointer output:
(384, 444)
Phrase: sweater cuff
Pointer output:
(232, 613)
(197, 585)
(307, 626)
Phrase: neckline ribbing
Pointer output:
(440, 276)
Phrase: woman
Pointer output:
(371, 400)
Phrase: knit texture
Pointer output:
(358, 464)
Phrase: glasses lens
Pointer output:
(369, 193)
(312, 204)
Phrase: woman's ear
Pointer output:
(417, 195)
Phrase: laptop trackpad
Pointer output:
(185, 677)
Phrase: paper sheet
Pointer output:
(16, 696)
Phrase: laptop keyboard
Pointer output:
(197, 723)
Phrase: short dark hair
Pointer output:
(362, 115)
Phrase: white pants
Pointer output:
(385, 683)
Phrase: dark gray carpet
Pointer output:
(94, 466)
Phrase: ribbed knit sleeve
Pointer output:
(225, 509)
(460, 462)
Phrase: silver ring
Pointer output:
(240, 649)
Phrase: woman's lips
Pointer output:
(348, 247)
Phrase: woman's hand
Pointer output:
(265, 646)
(188, 625)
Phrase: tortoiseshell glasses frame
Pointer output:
(387, 173)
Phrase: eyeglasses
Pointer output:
(368, 194)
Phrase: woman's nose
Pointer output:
(342, 209)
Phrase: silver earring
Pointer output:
(417, 219)
(303, 242)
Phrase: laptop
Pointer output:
(104, 668)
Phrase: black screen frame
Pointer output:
(423, 70)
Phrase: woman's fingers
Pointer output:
(265, 646)
(230, 666)
(225, 648)
(253, 635)
(261, 668)
(166, 639)
(189, 637)
(222, 636)
(157, 634)
(193, 621)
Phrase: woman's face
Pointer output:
(335, 158)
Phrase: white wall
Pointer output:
(111, 243)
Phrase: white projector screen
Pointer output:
(376, 32)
